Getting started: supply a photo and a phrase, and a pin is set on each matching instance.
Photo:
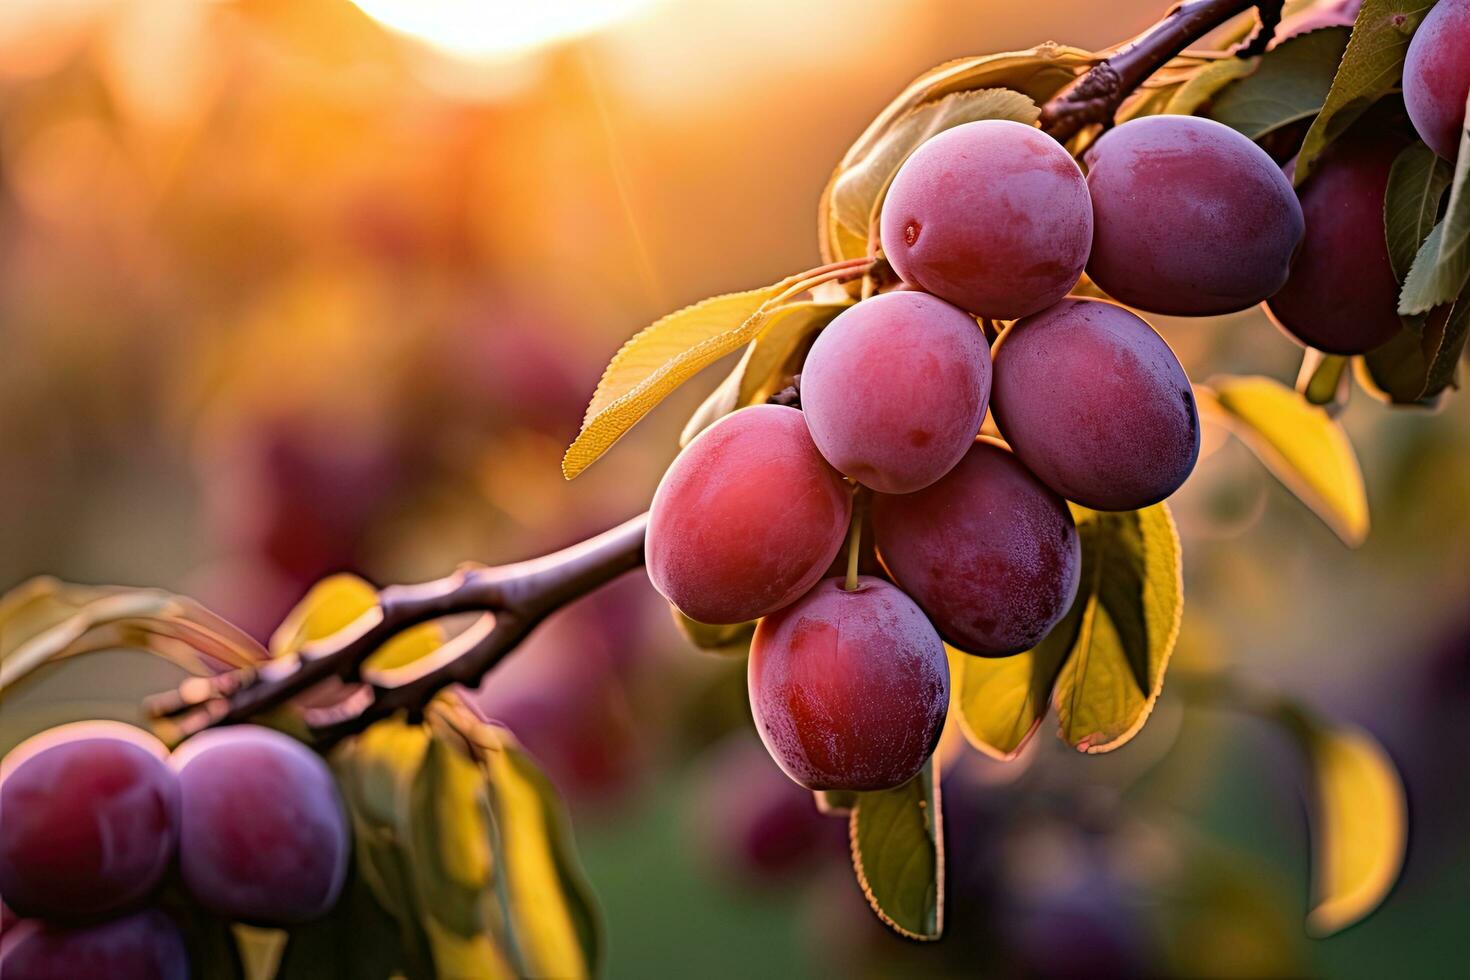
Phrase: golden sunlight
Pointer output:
(497, 29)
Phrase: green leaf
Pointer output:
(1442, 266)
(1037, 73)
(660, 358)
(856, 193)
(561, 939)
(551, 920)
(733, 639)
(428, 845)
(1290, 83)
(1206, 83)
(44, 620)
(1416, 366)
(1000, 701)
(765, 363)
(1121, 629)
(1416, 185)
(335, 603)
(1372, 66)
(897, 839)
(357, 940)
(1359, 819)
(1300, 444)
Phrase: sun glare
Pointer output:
(497, 29)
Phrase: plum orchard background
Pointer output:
(275, 304)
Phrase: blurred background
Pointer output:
(290, 287)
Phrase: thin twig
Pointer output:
(515, 597)
(1096, 95)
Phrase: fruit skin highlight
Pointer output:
(989, 552)
(849, 689)
(746, 519)
(895, 388)
(1096, 405)
(1189, 217)
(89, 820)
(992, 216)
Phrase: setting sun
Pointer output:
(475, 30)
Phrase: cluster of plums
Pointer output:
(96, 814)
(978, 548)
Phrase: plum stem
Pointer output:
(854, 540)
(1094, 97)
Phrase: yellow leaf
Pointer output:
(337, 602)
(1122, 628)
(1300, 444)
(1359, 824)
(552, 937)
(545, 907)
(1000, 701)
(657, 360)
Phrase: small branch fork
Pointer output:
(512, 599)
(1096, 95)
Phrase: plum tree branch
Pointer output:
(1096, 95)
(512, 599)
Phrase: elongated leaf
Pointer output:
(1207, 83)
(857, 191)
(1416, 185)
(337, 602)
(45, 620)
(1290, 83)
(553, 938)
(721, 402)
(376, 770)
(1122, 628)
(1443, 344)
(464, 843)
(1000, 701)
(551, 918)
(758, 374)
(357, 940)
(1300, 444)
(1037, 73)
(1442, 266)
(1359, 819)
(657, 360)
(897, 839)
(1372, 66)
